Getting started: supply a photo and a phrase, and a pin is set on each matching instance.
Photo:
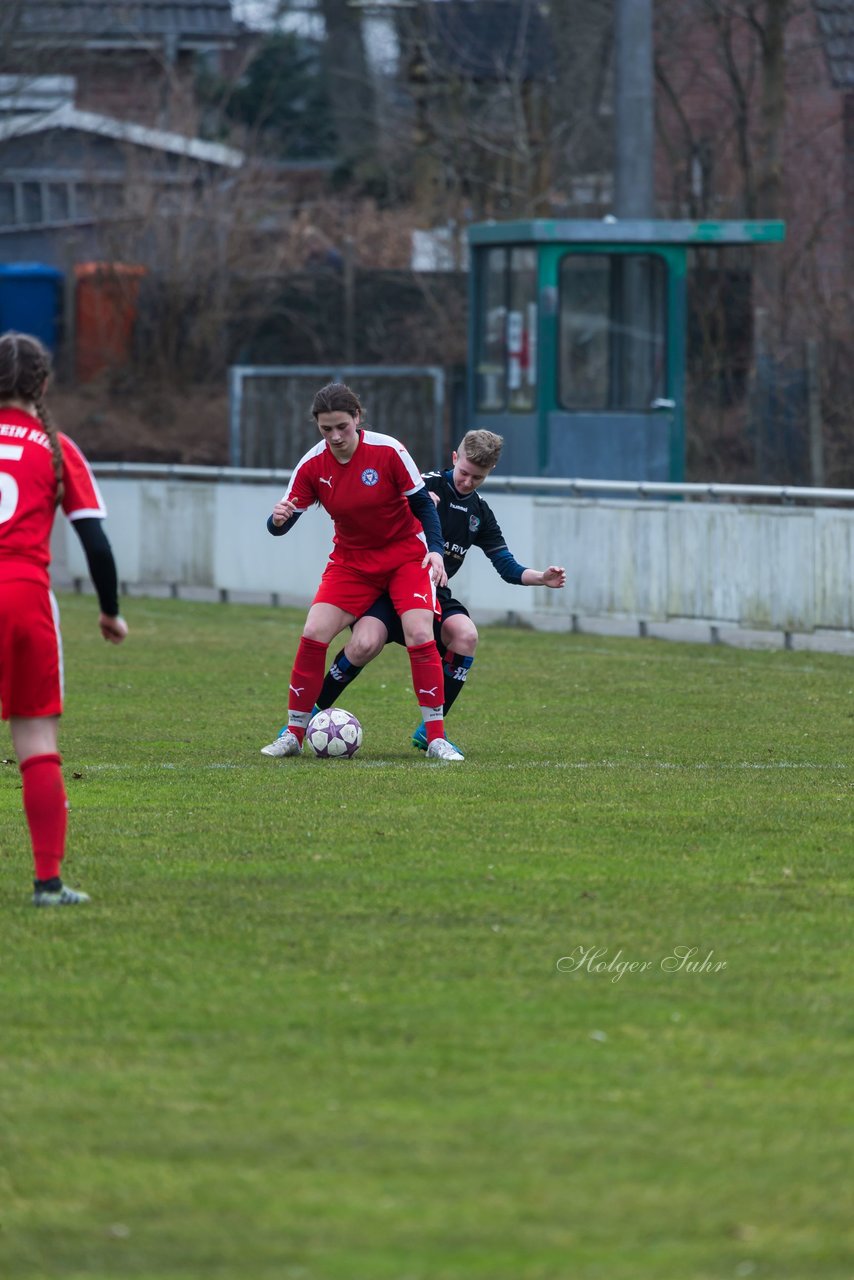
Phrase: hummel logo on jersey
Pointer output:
(419, 596)
(321, 480)
(455, 506)
(431, 693)
(296, 691)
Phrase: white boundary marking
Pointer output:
(758, 765)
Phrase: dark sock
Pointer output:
(53, 885)
(455, 669)
(340, 674)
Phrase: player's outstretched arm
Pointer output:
(554, 576)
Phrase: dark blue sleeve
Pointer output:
(278, 529)
(102, 566)
(422, 507)
(507, 565)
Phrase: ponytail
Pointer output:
(24, 371)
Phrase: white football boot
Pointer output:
(442, 749)
(287, 744)
(63, 897)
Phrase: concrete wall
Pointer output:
(765, 567)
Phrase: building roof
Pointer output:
(122, 21)
(836, 26)
(489, 39)
(107, 127)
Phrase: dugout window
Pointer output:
(506, 338)
(612, 331)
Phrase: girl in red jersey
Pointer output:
(40, 469)
(387, 538)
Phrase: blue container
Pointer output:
(31, 300)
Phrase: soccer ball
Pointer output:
(334, 733)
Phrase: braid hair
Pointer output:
(24, 370)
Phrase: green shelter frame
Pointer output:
(577, 341)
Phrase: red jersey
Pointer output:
(28, 495)
(366, 496)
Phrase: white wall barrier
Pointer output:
(639, 560)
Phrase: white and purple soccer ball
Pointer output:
(334, 734)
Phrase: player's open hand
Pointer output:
(434, 562)
(554, 576)
(113, 629)
(282, 512)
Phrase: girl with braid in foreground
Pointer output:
(40, 470)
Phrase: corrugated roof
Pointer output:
(122, 20)
(836, 26)
(106, 126)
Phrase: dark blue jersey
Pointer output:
(468, 521)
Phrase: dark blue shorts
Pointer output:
(383, 609)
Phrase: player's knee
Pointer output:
(418, 633)
(362, 651)
(464, 639)
(368, 639)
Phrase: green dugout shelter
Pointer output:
(577, 341)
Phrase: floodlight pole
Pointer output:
(634, 192)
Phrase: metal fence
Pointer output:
(271, 424)
(721, 563)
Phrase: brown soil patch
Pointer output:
(139, 424)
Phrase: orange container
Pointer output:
(105, 309)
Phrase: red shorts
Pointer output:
(30, 651)
(354, 591)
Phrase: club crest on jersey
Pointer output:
(474, 524)
(370, 477)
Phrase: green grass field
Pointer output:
(314, 1025)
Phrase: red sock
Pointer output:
(306, 681)
(429, 684)
(46, 808)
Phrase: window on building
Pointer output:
(57, 202)
(7, 204)
(506, 341)
(612, 315)
(31, 203)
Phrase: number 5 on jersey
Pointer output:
(8, 483)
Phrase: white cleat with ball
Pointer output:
(287, 744)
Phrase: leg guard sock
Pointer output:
(427, 683)
(306, 679)
(46, 809)
(455, 669)
(340, 674)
